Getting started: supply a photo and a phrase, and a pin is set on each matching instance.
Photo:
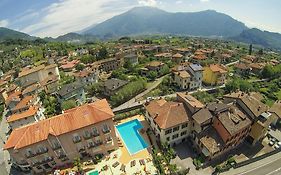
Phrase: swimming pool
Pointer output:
(131, 137)
(93, 172)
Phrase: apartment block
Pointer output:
(84, 131)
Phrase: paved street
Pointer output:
(4, 155)
(267, 166)
(133, 102)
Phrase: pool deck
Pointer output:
(143, 154)
(122, 156)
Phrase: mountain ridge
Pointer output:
(149, 20)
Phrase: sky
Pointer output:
(51, 18)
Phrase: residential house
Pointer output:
(182, 79)
(32, 89)
(196, 72)
(111, 86)
(256, 68)
(87, 76)
(31, 115)
(178, 58)
(24, 103)
(84, 131)
(169, 121)
(155, 66)
(242, 69)
(109, 64)
(50, 84)
(132, 58)
(275, 111)
(188, 76)
(40, 73)
(256, 110)
(73, 91)
(214, 74)
(69, 66)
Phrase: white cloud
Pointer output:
(4, 23)
(204, 0)
(73, 15)
(148, 2)
(179, 2)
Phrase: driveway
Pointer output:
(184, 159)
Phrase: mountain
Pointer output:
(6, 33)
(258, 37)
(73, 38)
(148, 20)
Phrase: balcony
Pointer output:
(30, 154)
(46, 160)
(96, 134)
(23, 164)
(42, 151)
(61, 156)
(81, 150)
(106, 130)
(76, 139)
(87, 136)
(56, 147)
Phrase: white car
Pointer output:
(276, 146)
(278, 143)
(271, 143)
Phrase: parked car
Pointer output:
(276, 146)
(271, 143)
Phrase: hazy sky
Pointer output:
(56, 17)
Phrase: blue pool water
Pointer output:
(130, 135)
(94, 173)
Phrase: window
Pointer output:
(175, 136)
(176, 129)
(184, 125)
(87, 134)
(168, 139)
(105, 128)
(76, 138)
(95, 131)
(168, 131)
(183, 133)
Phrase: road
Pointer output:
(232, 63)
(267, 166)
(4, 155)
(133, 100)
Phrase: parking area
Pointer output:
(184, 159)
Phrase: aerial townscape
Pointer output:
(145, 92)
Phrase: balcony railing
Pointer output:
(42, 151)
(55, 147)
(29, 155)
(61, 156)
(82, 150)
(105, 130)
(96, 134)
(76, 139)
(87, 136)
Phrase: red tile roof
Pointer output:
(167, 114)
(71, 120)
(30, 112)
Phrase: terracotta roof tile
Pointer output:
(167, 114)
(71, 120)
(30, 112)
(218, 68)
